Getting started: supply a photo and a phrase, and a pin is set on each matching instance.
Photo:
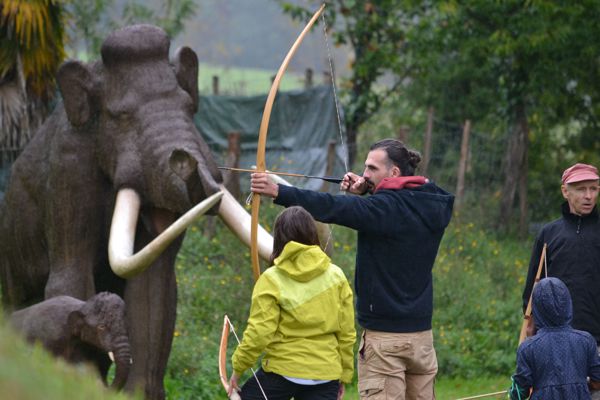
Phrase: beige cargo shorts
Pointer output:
(396, 366)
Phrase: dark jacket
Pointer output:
(399, 232)
(573, 256)
(558, 359)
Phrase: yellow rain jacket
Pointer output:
(301, 317)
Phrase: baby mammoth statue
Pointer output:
(91, 331)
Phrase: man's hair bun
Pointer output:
(414, 158)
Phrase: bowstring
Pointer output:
(251, 369)
(545, 265)
(337, 110)
(335, 97)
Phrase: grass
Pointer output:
(30, 373)
(244, 81)
(23, 365)
(455, 388)
(477, 283)
(478, 280)
(236, 80)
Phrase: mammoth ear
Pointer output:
(75, 82)
(186, 70)
(75, 322)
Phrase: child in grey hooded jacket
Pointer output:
(556, 362)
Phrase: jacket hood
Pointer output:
(302, 262)
(551, 304)
(400, 182)
(431, 204)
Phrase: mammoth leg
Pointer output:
(74, 224)
(24, 263)
(151, 301)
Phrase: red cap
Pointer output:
(580, 172)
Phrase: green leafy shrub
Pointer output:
(478, 281)
(214, 278)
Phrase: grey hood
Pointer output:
(552, 306)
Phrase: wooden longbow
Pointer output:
(261, 167)
(262, 140)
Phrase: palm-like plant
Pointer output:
(31, 50)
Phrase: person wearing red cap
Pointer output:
(400, 226)
(573, 249)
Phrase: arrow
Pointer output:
(324, 178)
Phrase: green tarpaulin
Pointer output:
(302, 124)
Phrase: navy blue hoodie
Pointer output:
(558, 359)
(399, 233)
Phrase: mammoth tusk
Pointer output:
(238, 220)
(111, 356)
(278, 179)
(122, 233)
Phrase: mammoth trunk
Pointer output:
(123, 361)
(175, 172)
(178, 172)
(177, 165)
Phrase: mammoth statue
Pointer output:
(116, 168)
(81, 331)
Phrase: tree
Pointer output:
(376, 33)
(88, 23)
(91, 21)
(533, 65)
(31, 49)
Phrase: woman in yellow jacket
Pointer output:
(301, 318)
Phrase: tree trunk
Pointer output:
(427, 144)
(351, 143)
(462, 166)
(523, 196)
(515, 168)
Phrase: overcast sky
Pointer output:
(254, 33)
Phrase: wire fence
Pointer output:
(484, 157)
(483, 160)
(464, 161)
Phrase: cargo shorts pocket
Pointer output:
(372, 389)
(365, 350)
(395, 348)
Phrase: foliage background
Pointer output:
(465, 60)
(478, 283)
(478, 279)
